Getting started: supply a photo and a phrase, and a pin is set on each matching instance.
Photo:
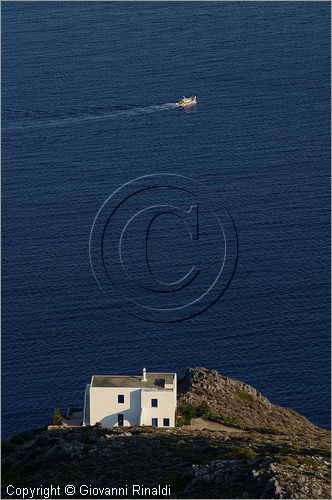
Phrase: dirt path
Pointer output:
(199, 424)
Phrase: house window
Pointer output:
(120, 420)
(166, 422)
(154, 422)
(120, 398)
(154, 403)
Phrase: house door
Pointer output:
(120, 420)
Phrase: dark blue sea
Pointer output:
(88, 93)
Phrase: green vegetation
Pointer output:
(57, 417)
(238, 453)
(294, 459)
(288, 455)
(306, 460)
(287, 460)
(292, 454)
(244, 396)
(289, 449)
(225, 420)
(186, 412)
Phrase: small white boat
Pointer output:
(187, 101)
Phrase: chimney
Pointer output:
(144, 375)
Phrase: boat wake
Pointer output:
(65, 121)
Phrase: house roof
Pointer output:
(153, 380)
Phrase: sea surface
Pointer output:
(88, 93)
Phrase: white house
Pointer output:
(124, 400)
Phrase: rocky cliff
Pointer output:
(255, 450)
(236, 403)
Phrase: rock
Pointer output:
(160, 454)
(236, 402)
(273, 468)
(52, 453)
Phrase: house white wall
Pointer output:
(101, 405)
(165, 409)
(104, 406)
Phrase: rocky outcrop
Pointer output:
(212, 381)
(290, 461)
(235, 401)
(260, 478)
(200, 464)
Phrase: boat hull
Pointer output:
(186, 101)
